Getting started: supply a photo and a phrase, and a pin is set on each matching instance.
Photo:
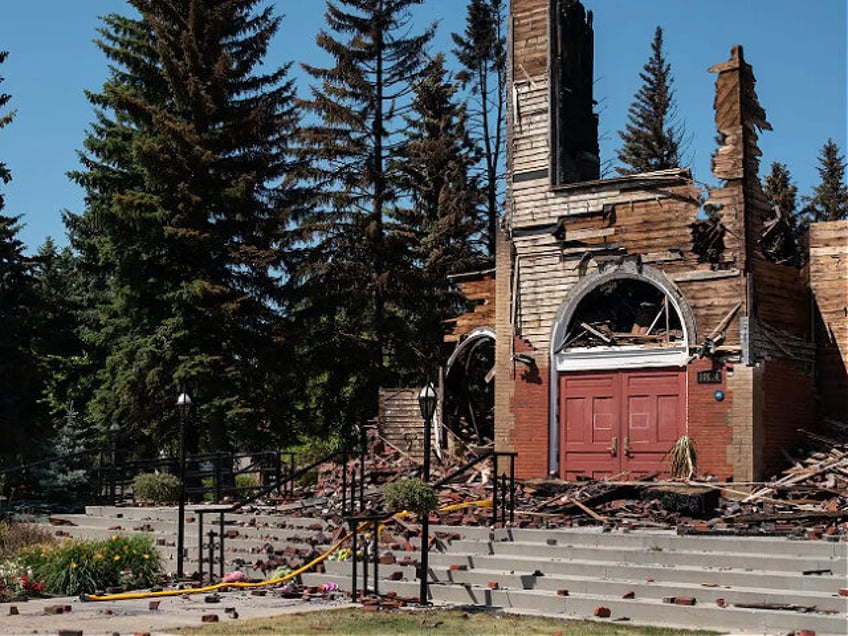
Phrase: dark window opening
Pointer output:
(469, 400)
(575, 155)
(624, 312)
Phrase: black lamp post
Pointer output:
(184, 407)
(427, 404)
(114, 431)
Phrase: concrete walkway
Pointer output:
(107, 618)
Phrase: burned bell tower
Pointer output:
(575, 156)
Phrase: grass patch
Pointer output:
(454, 622)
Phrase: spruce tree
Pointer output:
(780, 191)
(187, 202)
(829, 201)
(652, 138)
(20, 416)
(481, 50)
(346, 272)
(440, 231)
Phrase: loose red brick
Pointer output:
(562, 592)
(843, 591)
(806, 632)
(684, 600)
(629, 594)
(70, 632)
(153, 605)
(602, 612)
(13, 610)
(395, 576)
(457, 567)
(721, 602)
(494, 585)
(209, 618)
(388, 559)
(141, 634)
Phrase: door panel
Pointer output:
(589, 408)
(620, 421)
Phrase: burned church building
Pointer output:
(624, 313)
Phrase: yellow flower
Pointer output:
(117, 557)
(98, 556)
(146, 556)
(73, 565)
(114, 537)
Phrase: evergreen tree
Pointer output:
(19, 380)
(481, 50)
(780, 190)
(346, 269)
(787, 230)
(830, 197)
(652, 138)
(437, 232)
(186, 213)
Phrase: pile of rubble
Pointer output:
(810, 498)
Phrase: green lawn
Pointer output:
(433, 622)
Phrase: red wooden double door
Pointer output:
(622, 421)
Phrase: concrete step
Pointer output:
(681, 573)
(643, 611)
(654, 555)
(669, 540)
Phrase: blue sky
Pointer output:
(797, 49)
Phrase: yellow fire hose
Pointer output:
(483, 503)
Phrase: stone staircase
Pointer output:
(769, 585)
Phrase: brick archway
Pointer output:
(609, 395)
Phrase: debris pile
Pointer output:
(809, 499)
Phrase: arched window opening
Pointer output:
(624, 312)
(469, 396)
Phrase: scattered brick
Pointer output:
(209, 618)
(13, 610)
(70, 632)
(57, 609)
(258, 592)
(114, 528)
(457, 567)
(684, 600)
(843, 591)
(494, 585)
(388, 559)
(153, 605)
(629, 594)
(602, 612)
(395, 576)
(562, 592)
(721, 602)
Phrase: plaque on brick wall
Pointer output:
(709, 377)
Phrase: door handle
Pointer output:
(627, 447)
(613, 449)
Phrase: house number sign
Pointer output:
(709, 377)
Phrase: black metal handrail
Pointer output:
(503, 485)
(289, 478)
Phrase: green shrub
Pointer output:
(412, 495)
(246, 485)
(81, 567)
(156, 488)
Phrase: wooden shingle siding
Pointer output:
(828, 270)
(529, 38)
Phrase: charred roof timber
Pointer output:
(574, 124)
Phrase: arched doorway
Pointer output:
(469, 395)
(618, 362)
